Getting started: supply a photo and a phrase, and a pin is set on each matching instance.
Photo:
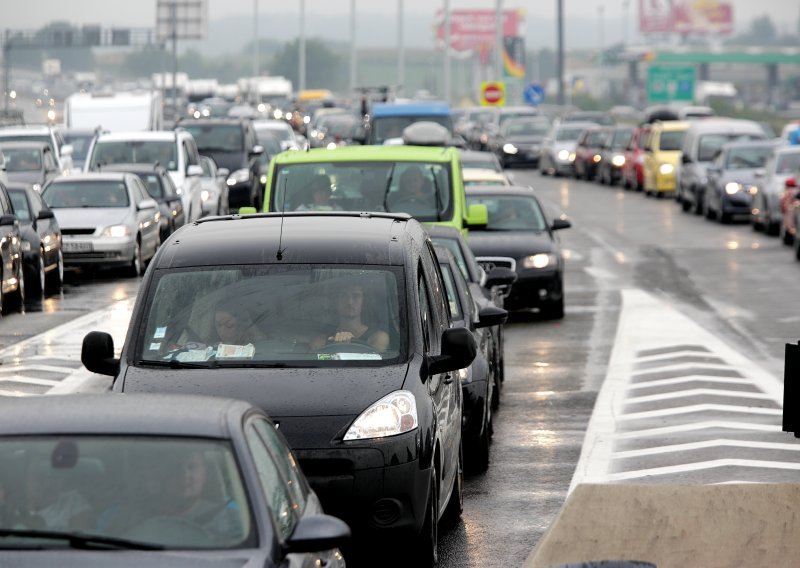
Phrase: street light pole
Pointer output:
(560, 51)
(302, 46)
(352, 46)
(401, 56)
(498, 41)
(446, 88)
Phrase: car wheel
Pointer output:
(455, 505)
(37, 280)
(708, 212)
(17, 300)
(772, 228)
(427, 549)
(724, 218)
(137, 265)
(479, 457)
(786, 236)
(55, 279)
(685, 204)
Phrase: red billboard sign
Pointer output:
(472, 30)
(687, 17)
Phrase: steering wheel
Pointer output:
(352, 346)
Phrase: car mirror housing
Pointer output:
(490, 316)
(458, 351)
(194, 170)
(500, 276)
(8, 220)
(257, 150)
(223, 173)
(147, 204)
(97, 353)
(46, 214)
(316, 533)
(477, 215)
(559, 224)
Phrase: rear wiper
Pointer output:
(79, 540)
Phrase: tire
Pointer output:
(55, 278)
(773, 229)
(479, 456)
(136, 267)
(455, 505)
(724, 218)
(685, 205)
(698, 204)
(786, 237)
(37, 280)
(17, 300)
(427, 545)
(707, 212)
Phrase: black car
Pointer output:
(488, 289)
(12, 272)
(478, 380)
(30, 162)
(519, 141)
(612, 155)
(232, 144)
(160, 187)
(154, 480)
(519, 236)
(41, 241)
(336, 324)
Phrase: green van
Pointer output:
(424, 182)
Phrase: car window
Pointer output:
(452, 246)
(286, 463)
(135, 152)
(671, 140)
(23, 159)
(567, 134)
(747, 158)
(425, 317)
(269, 314)
(437, 297)
(709, 144)
(279, 498)
(70, 194)
(510, 212)
(20, 203)
(217, 137)
(452, 294)
(152, 182)
(788, 163)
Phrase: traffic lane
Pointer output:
(82, 293)
(553, 371)
(731, 279)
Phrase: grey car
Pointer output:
(29, 162)
(557, 154)
(783, 164)
(106, 219)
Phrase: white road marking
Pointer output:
(702, 408)
(705, 444)
(691, 467)
(692, 393)
(697, 427)
(688, 379)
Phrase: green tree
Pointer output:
(324, 69)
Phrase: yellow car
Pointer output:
(662, 156)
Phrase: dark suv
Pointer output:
(232, 144)
(337, 324)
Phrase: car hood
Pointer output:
(743, 176)
(80, 217)
(668, 157)
(134, 559)
(567, 145)
(312, 405)
(514, 244)
(26, 177)
(231, 160)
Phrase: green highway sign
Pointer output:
(667, 84)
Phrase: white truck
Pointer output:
(114, 112)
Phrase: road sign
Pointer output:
(534, 94)
(493, 93)
(670, 84)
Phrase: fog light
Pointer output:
(386, 512)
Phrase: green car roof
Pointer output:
(370, 153)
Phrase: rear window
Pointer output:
(710, 144)
(135, 152)
(22, 159)
(217, 137)
(385, 127)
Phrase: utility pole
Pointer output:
(302, 46)
(560, 50)
(446, 88)
(401, 56)
(353, 79)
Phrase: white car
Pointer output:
(283, 131)
(176, 151)
(52, 136)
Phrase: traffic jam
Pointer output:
(259, 324)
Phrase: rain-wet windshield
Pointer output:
(122, 492)
(421, 189)
(510, 212)
(135, 152)
(274, 315)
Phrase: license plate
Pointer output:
(76, 247)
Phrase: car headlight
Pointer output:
(207, 194)
(753, 189)
(394, 414)
(263, 179)
(278, 114)
(618, 160)
(510, 149)
(596, 158)
(572, 156)
(239, 176)
(117, 231)
(37, 187)
(563, 155)
(666, 169)
(541, 260)
(733, 187)
(25, 246)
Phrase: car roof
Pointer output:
(576, 124)
(146, 135)
(134, 168)
(430, 108)
(91, 176)
(670, 125)
(476, 154)
(230, 120)
(501, 190)
(115, 414)
(19, 186)
(16, 130)
(471, 174)
(752, 143)
(369, 154)
(18, 144)
(717, 124)
(303, 237)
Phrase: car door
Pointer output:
(146, 217)
(173, 200)
(8, 233)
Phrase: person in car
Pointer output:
(349, 326)
(415, 194)
(319, 196)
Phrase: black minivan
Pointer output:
(337, 324)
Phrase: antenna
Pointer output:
(279, 254)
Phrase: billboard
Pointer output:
(686, 17)
(514, 57)
(474, 30)
(186, 19)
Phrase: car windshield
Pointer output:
(621, 138)
(788, 163)
(135, 152)
(46, 138)
(421, 189)
(23, 159)
(163, 492)
(270, 140)
(278, 131)
(671, 140)
(748, 158)
(68, 194)
(152, 183)
(710, 144)
(80, 144)
(217, 137)
(510, 212)
(20, 203)
(386, 127)
(274, 315)
(527, 128)
(568, 134)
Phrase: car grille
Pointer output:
(490, 262)
(82, 231)
(93, 255)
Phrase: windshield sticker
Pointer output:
(193, 355)
(155, 346)
(236, 351)
(160, 333)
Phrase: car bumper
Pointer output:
(367, 487)
(737, 204)
(240, 195)
(534, 288)
(104, 251)
(665, 183)
(522, 157)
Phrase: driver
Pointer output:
(349, 325)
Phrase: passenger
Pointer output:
(506, 217)
(319, 196)
(350, 326)
(233, 325)
(414, 196)
(49, 505)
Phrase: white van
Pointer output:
(114, 112)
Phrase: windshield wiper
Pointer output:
(388, 186)
(177, 364)
(80, 540)
(437, 196)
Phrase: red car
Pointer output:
(587, 152)
(789, 209)
(633, 168)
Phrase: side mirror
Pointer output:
(257, 150)
(147, 204)
(316, 533)
(8, 220)
(46, 214)
(360, 134)
(247, 210)
(790, 183)
(490, 316)
(559, 224)
(477, 216)
(194, 171)
(223, 173)
(500, 276)
(760, 173)
(66, 150)
(685, 159)
(97, 353)
(458, 351)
